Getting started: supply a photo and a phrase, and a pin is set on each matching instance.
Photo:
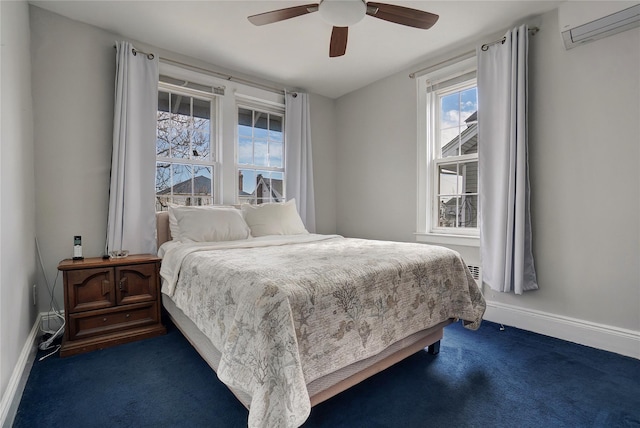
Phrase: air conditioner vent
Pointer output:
(475, 272)
(581, 22)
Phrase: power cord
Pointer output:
(50, 353)
(53, 308)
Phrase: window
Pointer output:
(185, 144)
(448, 152)
(216, 136)
(456, 163)
(260, 155)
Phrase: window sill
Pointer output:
(444, 239)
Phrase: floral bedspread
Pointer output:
(294, 309)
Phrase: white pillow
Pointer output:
(173, 223)
(274, 219)
(210, 224)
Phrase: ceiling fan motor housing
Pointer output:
(342, 13)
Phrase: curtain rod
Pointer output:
(225, 76)
(465, 55)
(532, 32)
(135, 52)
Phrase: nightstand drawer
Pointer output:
(136, 283)
(89, 289)
(97, 323)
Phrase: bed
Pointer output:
(288, 319)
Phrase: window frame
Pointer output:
(251, 103)
(428, 112)
(228, 91)
(214, 137)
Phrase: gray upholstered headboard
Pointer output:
(162, 228)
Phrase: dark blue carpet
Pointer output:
(486, 378)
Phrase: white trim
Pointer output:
(427, 209)
(446, 239)
(609, 338)
(13, 393)
(251, 101)
(443, 64)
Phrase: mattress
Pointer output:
(333, 383)
(288, 318)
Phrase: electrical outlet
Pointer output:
(35, 294)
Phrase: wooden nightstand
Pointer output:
(109, 302)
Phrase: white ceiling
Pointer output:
(295, 53)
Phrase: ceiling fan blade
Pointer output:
(338, 45)
(402, 15)
(282, 14)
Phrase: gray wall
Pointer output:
(584, 161)
(73, 80)
(376, 130)
(323, 138)
(18, 268)
(73, 86)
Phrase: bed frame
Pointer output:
(320, 389)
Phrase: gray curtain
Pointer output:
(505, 223)
(131, 223)
(298, 157)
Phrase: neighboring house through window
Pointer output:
(448, 155)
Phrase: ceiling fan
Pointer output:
(342, 13)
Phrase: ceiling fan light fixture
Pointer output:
(342, 13)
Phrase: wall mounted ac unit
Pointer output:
(585, 21)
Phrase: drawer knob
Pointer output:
(104, 320)
(127, 315)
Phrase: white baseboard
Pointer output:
(18, 380)
(613, 339)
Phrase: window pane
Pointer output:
(469, 138)
(260, 153)
(201, 114)
(202, 185)
(275, 154)
(469, 175)
(245, 122)
(163, 127)
(468, 103)
(260, 122)
(200, 147)
(448, 211)
(269, 187)
(468, 211)
(458, 123)
(162, 135)
(450, 125)
(182, 185)
(245, 151)
(246, 186)
(180, 143)
(449, 180)
(259, 186)
(163, 185)
(450, 111)
(163, 102)
(450, 140)
(275, 128)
